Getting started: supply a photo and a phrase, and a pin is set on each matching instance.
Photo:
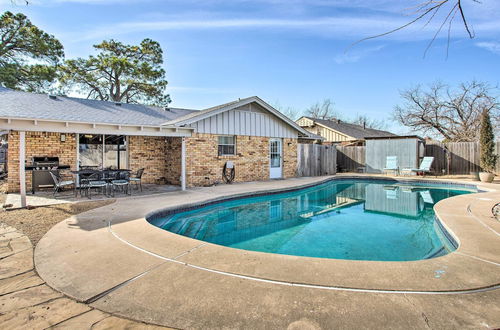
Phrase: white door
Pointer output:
(275, 159)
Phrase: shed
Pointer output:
(408, 149)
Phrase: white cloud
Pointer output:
(353, 56)
(492, 46)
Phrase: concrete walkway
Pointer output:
(26, 302)
(113, 260)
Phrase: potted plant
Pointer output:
(488, 158)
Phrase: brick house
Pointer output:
(176, 146)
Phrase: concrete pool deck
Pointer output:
(114, 260)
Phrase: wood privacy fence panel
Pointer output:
(316, 160)
(462, 158)
(350, 158)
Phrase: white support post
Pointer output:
(22, 167)
(183, 164)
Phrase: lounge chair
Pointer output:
(426, 196)
(425, 167)
(391, 164)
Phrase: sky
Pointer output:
(288, 52)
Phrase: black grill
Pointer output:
(40, 171)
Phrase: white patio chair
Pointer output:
(425, 167)
(391, 164)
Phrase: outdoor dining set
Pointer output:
(104, 181)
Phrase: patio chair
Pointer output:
(120, 180)
(425, 166)
(95, 181)
(391, 164)
(60, 183)
(137, 178)
(427, 197)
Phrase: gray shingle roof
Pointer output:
(15, 104)
(353, 130)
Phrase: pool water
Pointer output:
(340, 219)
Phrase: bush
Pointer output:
(487, 144)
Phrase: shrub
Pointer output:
(487, 144)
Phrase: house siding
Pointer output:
(39, 144)
(150, 153)
(204, 166)
(249, 120)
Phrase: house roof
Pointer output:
(31, 106)
(23, 105)
(352, 130)
(199, 115)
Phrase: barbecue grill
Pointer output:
(40, 172)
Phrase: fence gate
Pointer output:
(316, 160)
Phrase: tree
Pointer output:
(290, 112)
(454, 115)
(120, 73)
(28, 55)
(323, 110)
(364, 120)
(488, 158)
(427, 11)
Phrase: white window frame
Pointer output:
(219, 144)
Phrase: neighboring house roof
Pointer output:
(23, 105)
(355, 131)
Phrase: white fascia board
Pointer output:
(91, 128)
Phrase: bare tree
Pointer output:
(290, 112)
(365, 121)
(453, 114)
(322, 110)
(426, 12)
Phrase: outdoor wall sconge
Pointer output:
(63, 137)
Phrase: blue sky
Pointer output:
(290, 52)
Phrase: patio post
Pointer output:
(22, 169)
(183, 164)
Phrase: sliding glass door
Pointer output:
(96, 151)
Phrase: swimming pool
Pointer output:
(352, 219)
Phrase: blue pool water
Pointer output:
(340, 219)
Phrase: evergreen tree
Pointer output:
(487, 142)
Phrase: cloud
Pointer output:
(492, 46)
(354, 56)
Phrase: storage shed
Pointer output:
(408, 149)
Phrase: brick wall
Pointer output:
(173, 161)
(149, 152)
(204, 166)
(39, 144)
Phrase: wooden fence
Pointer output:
(350, 158)
(453, 158)
(316, 160)
(457, 157)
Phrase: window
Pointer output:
(102, 151)
(227, 145)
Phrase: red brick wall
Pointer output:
(39, 144)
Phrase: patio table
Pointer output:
(101, 173)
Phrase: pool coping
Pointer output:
(133, 247)
(324, 267)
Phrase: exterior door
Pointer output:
(275, 158)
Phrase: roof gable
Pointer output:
(209, 112)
